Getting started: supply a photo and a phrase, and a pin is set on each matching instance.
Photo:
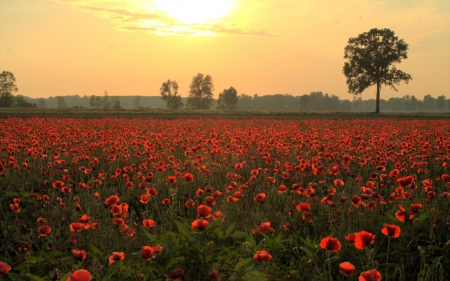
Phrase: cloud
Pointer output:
(141, 16)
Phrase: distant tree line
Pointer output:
(201, 97)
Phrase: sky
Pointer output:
(130, 47)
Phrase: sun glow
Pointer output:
(195, 11)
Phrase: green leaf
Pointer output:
(182, 229)
(390, 217)
(147, 234)
(229, 229)
(34, 277)
(96, 252)
(238, 235)
(11, 194)
(14, 276)
(243, 263)
(423, 216)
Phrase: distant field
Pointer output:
(158, 113)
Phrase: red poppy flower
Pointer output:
(305, 207)
(189, 203)
(44, 230)
(111, 200)
(338, 182)
(416, 207)
(165, 201)
(347, 269)
(177, 272)
(157, 249)
(4, 268)
(204, 211)
(76, 227)
(58, 184)
(265, 228)
(218, 214)
(116, 256)
(79, 254)
(79, 275)
(214, 274)
(171, 179)
(188, 177)
(152, 191)
(371, 275)
(282, 188)
(262, 256)
(15, 207)
(148, 223)
(329, 243)
(363, 239)
(391, 230)
(41, 220)
(200, 224)
(351, 238)
(147, 252)
(260, 197)
(145, 199)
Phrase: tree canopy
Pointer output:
(169, 93)
(371, 57)
(228, 99)
(200, 92)
(7, 88)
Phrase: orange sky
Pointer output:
(84, 47)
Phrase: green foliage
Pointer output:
(200, 92)
(169, 93)
(371, 56)
(7, 88)
(228, 99)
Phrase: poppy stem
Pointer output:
(329, 265)
(387, 259)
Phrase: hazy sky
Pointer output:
(84, 47)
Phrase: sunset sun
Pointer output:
(195, 11)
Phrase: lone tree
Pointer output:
(228, 99)
(200, 92)
(169, 94)
(7, 88)
(371, 56)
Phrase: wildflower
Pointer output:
(391, 230)
(329, 243)
(147, 252)
(188, 177)
(262, 256)
(4, 268)
(148, 223)
(347, 269)
(175, 273)
(363, 239)
(79, 254)
(204, 211)
(265, 228)
(371, 275)
(80, 275)
(351, 238)
(116, 256)
(200, 224)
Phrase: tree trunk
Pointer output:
(377, 109)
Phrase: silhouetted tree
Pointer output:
(228, 99)
(305, 101)
(200, 92)
(440, 103)
(61, 102)
(7, 88)
(370, 56)
(169, 94)
(429, 103)
(41, 103)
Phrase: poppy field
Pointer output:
(224, 199)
